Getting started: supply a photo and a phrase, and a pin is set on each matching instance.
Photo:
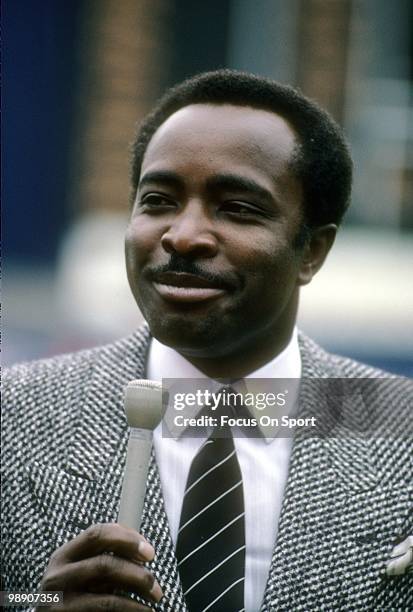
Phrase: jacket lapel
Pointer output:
(336, 525)
(100, 431)
(155, 528)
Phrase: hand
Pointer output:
(92, 568)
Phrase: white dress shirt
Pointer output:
(263, 462)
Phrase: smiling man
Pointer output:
(238, 187)
(211, 246)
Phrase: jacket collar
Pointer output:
(336, 403)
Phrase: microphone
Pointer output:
(143, 407)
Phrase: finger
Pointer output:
(90, 602)
(106, 537)
(102, 572)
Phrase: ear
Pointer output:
(315, 252)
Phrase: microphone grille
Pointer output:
(143, 403)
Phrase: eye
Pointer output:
(156, 202)
(241, 209)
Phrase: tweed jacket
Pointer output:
(347, 501)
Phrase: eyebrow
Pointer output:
(225, 180)
(160, 176)
(238, 183)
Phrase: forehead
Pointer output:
(242, 136)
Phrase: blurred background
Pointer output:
(79, 74)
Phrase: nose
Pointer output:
(191, 234)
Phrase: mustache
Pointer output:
(179, 264)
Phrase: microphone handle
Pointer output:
(134, 481)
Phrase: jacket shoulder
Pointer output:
(323, 364)
(43, 397)
(67, 367)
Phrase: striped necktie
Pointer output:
(211, 537)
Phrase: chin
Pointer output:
(201, 337)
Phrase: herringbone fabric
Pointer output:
(211, 537)
(346, 505)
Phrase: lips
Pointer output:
(186, 288)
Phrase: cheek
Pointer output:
(141, 239)
(271, 270)
(138, 248)
(261, 253)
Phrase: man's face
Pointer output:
(210, 244)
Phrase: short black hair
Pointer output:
(321, 159)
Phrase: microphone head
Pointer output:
(143, 404)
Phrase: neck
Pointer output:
(244, 360)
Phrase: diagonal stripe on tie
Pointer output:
(214, 467)
(214, 569)
(208, 506)
(211, 538)
(237, 518)
(220, 596)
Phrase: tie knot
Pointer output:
(226, 408)
(230, 401)
(233, 416)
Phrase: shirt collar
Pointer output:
(165, 362)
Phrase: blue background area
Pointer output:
(39, 66)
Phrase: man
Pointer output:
(239, 184)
